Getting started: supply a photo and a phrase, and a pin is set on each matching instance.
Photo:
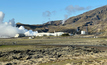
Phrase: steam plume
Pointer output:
(46, 14)
(65, 18)
(1, 16)
(71, 9)
(9, 29)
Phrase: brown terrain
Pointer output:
(53, 51)
(95, 21)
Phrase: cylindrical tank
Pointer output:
(82, 32)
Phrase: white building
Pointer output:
(50, 34)
(43, 34)
(58, 33)
(83, 32)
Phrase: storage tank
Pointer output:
(82, 32)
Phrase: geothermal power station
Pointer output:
(9, 29)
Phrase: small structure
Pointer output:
(43, 34)
(70, 34)
(83, 32)
(33, 37)
(13, 42)
(50, 34)
(30, 37)
(19, 35)
(58, 33)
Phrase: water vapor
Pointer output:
(71, 9)
(9, 29)
(1, 16)
(46, 14)
(65, 18)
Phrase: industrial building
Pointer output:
(42, 34)
(50, 34)
(19, 35)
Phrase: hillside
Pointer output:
(95, 21)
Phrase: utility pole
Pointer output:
(87, 29)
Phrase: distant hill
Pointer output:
(94, 21)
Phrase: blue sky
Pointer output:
(42, 11)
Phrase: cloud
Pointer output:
(71, 9)
(1, 16)
(89, 7)
(46, 14)
(53, 12)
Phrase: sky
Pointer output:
(42, 11)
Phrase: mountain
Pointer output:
(94, 21)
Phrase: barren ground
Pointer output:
(53, 51)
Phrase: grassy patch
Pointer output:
(5, 48)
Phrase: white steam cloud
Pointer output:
(48, 14)
(9, 29)
(72, 9)
(1, 16)
(28, 32)
(65, 18)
